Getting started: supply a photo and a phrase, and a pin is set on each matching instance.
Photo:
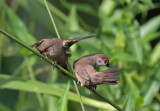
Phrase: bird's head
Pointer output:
(102, 61)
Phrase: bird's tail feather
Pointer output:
(111, 76)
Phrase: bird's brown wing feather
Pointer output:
(84, 70)
(68, 43)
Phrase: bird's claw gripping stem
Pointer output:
(78, 82)
(54, 64)
(92, 89)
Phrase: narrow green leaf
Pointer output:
(53, 22)
(15, 83)
(151, 36)
(72, 22)
(37, 10)
(129, 104)
(151, 26)
(152, 86)
(124, 57)
(55, 10)
(132, 34)
(106, 8)
(155, 55)
(4, 107)
(3, 25)
(63, 102)
(52, 101)
(16, 26)
(86, 8)
(120, 40)
(133, 87)
(148, 2)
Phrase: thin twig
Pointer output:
(59, 67)
(71, 70)
(31, 75)
(54, 25)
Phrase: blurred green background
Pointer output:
(128, 32)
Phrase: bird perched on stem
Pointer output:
(56, 49)
(85, 71)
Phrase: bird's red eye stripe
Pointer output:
(46, 49)
(105, 60)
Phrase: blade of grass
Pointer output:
(54, 25)
(4, 107)
(31, 74)
(151, 26)
(151, 87)
(60, 14)
(59, 67)
(75, 84)
(129, 104)
(3, 24)
(63, 101)
(16, 25)
(55, 10)
(17, 83)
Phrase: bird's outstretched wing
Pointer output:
(68, 43)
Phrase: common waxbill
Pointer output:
(85, 71)
(55, 48)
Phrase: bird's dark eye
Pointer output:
(105, 61)
(99, 61)
(46, 49)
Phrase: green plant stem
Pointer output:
(58, 13)
(59, 67)
(55, 10)
(71, 70)
(75, 84)
(31, 75)
(37, 53)
(54, 25)
(108, 101)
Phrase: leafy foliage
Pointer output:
(125, 38)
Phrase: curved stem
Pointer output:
(54, 25)
(75, 84)
(59, 67)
